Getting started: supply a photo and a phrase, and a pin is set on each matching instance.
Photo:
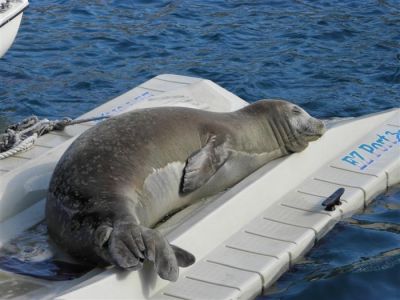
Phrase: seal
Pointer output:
(122, 176)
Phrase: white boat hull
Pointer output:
(10, 22)
(8, 33)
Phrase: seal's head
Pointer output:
(305, 125)
(292, 125)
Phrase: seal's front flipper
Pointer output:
(203, 164)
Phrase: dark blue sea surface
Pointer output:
(336, 58)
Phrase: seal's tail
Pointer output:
(127, 245)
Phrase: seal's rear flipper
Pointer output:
(126, 244)
(159, 251)
(120, 244)
(203, 164)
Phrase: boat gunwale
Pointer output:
(19, 12)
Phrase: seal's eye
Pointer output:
(296, 110)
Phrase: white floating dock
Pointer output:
(245, 238)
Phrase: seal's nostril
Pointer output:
(323, 129)
(320, 127)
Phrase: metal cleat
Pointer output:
(333, 200)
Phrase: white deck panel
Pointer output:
(260, 244)
(27, 218)
(318, 222)
(177, 78)
(279, 231)
(266, 267)
(187, 288)
(353, 198)
(52, 140)
(11, 163)
(368, 184)
(248, 236)
(307, 202)
(34, 152)
(162, 85)
(210, 275)
(394, 123)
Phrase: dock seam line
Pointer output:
(150, 89)
(86, 125)
(290, 224)
(290, 259)
(172, 81)
(387, 180)
(252, 252)
(19, 157)
(240, 269)
(24, 157)
(268, 237)
(57, 133)
(307, 210)
(27, 151)
(174, 296)
(37, 145)
(311, 194)
(50, 147)
(346, 185)
(42, 146)
(213, 283)
(356, 172)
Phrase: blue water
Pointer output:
(334, 58)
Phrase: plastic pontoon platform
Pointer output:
(244, 238)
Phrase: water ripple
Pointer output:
(331, 55)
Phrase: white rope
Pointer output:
(22, 146)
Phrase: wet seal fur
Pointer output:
(119, 178)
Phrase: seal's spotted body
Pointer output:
(124, 175)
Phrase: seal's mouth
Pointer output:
(312, 137)
(315, 132)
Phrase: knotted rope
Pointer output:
(23, 135)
